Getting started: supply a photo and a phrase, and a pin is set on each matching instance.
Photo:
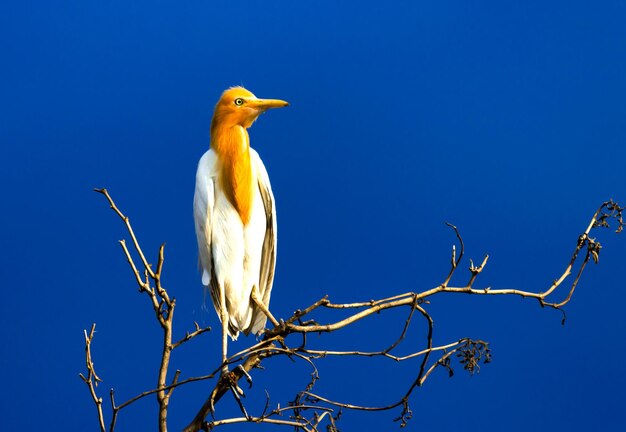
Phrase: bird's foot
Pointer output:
(232, 381)
(246, 374)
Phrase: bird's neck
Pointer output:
(232, 145)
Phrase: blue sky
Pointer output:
(504, 118)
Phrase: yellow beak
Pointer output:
(264, 104)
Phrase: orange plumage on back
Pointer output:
(236, 110)
(236, 177)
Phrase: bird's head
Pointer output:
(238, 106)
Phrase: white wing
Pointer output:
(204, 207)
(203, 204)
(268, 255)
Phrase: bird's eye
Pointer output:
(238, 101)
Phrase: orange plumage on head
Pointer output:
(231, 142)
(236, 110)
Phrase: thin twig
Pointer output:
(92, 378)
(129, 228)
(197, 332)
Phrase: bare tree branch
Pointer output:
(130, 230)
(92, 378)
(163, 307)
(197, 332)
(468, 350)
(308, 410)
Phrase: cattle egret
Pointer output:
(235, 218)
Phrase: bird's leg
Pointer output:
(224, 348)
(256, 298)
(224, 318)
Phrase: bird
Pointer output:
(235, 218)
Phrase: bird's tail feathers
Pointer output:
(258, 325)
